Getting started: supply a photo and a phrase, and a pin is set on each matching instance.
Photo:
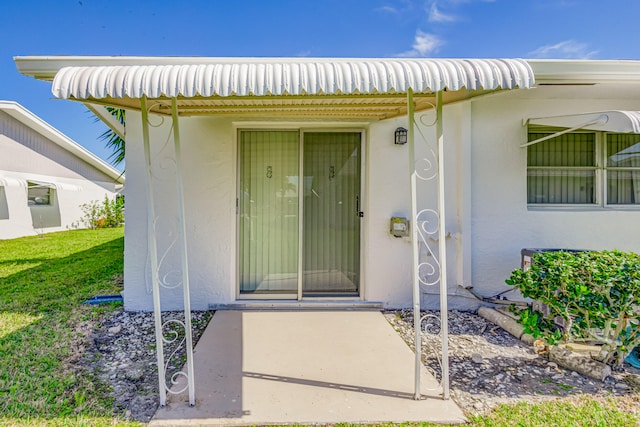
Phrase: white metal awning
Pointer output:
(278, 87)
(263, 77)
(617, 121)
(41, 184)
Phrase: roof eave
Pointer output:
(585, 71)
(26, 117)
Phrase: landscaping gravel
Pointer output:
(122, 354)
(488, 366)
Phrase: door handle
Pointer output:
(359, 213)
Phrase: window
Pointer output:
(623, 169)
(583, 168)
(38, 193)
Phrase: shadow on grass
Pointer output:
(41, 323)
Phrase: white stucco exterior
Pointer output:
(488, 221)
(32, 151)
(501, 223)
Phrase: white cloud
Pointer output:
(387, 9)
(568, 49)
(395, 7)
(435, 15)
(423, 45)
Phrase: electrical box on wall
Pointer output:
(399, 227)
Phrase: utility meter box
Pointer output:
(399, 227)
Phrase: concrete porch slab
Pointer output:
(304, 367)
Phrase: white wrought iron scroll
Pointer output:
(427, 223)
(167, 332)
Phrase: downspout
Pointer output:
(414, 247)
(153, 252)
(183, 252)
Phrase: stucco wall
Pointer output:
(63, 213)
(26, 151)
(29, 156)
(501, 222)
(487, 219)
(209, 191)
(210, 173)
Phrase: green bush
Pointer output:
(595, 294)
(103, 214)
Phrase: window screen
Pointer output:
(561, 170)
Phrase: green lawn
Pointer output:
(43, 281)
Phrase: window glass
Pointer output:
(623, 164)
(561, 170)
(38, 194)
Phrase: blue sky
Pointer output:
(586, 29)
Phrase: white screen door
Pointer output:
(272, 186)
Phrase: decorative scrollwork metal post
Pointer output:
(184, 254)
(414, 247)
(171, 279)
(152, 249)
(426, 224)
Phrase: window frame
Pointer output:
(605, 171)
(600, 168)
(33, 185)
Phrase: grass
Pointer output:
(580, 411)
(43, 281)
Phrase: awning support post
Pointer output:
(415, 246)
(183, 252)
(442, 250)
(419, 234)
(152, 249)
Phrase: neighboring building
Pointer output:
(45, 176)
(290, 174)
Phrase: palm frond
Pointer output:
(113, 141)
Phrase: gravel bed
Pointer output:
(122, 354)
(488, 366)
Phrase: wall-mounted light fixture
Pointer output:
(401, 136)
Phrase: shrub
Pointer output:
(595, 294)
(108, 213)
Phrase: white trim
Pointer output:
(290, 127)
(578, 71)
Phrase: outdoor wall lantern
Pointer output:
(401, 136)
